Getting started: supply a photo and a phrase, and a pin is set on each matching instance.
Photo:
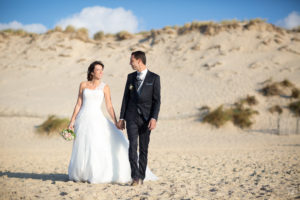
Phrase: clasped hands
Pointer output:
(121, 124)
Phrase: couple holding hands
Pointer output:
(101, 153)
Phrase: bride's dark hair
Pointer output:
(91, 69)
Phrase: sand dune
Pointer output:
(40, 76)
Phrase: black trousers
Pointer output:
(137, 131)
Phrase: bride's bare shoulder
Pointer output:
(83, 84)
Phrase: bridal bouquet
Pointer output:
(68, 134)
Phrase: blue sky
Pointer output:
(140, 15)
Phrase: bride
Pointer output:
(100, 150)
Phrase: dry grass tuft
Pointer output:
(18, 32)
(241, 116)
(99, 35)
(295, 93)
(53, 125)
(271, 90)
(82, 34)
(250, 100)
(286, 83)
(217, 117)
(124, 35)
(275, 109)
(295, 108)
(70, 29)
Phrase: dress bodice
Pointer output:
(93, 98)
(91, 103)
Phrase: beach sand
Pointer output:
(192, 160)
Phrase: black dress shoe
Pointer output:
(134, 182)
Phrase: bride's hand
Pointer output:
(71, 126)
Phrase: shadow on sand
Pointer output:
(44, 177)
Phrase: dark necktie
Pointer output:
(138, 80)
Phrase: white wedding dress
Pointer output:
(100, 150)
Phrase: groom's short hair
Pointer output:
(140, 55)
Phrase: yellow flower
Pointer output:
(130, 87)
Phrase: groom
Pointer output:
(140, 108)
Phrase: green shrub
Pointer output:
(250, 100)
(295, 93)
(295, 108)
(82, 34)
(70, 29)
(53, 125)
(99, 35)
(275, 108)
(271, 90)
(286, 83)
(58, 29)
(241, 116)
(124, 35)
(217, 117)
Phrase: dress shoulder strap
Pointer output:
(102, 85)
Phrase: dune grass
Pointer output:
(295, 93)
(18, 32)
(218, 117)
(124, 35)
(99, 35)
(275, 109)
(238, 114)
(52, 125)
(241, 116)
(271, 90)
(250, 100)
(294, 107)
(70, 29)
(286, 83)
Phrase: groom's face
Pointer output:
(134, 63)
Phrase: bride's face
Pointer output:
(98, 72)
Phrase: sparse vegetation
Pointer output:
(275, 109)
(295, 108)
(271, 90)
(296, 29)
(217, 117)
(52, 125)
(250, 100)
(70, 29)
(295, 93)
(286, 83)
(82, 34)
(285, 87)
(241, 116)
(18, 32)
(124, 35)
(99, 35)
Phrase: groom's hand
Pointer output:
(152, 124)
(121, 124)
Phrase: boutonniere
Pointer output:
(130, 87)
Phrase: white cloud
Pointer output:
(291, 21)
(99, 18)
(35, 28)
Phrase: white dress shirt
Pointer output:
(142, 76)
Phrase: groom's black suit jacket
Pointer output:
(147, 101)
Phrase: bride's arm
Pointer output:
(77, 107)
(109, 106)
